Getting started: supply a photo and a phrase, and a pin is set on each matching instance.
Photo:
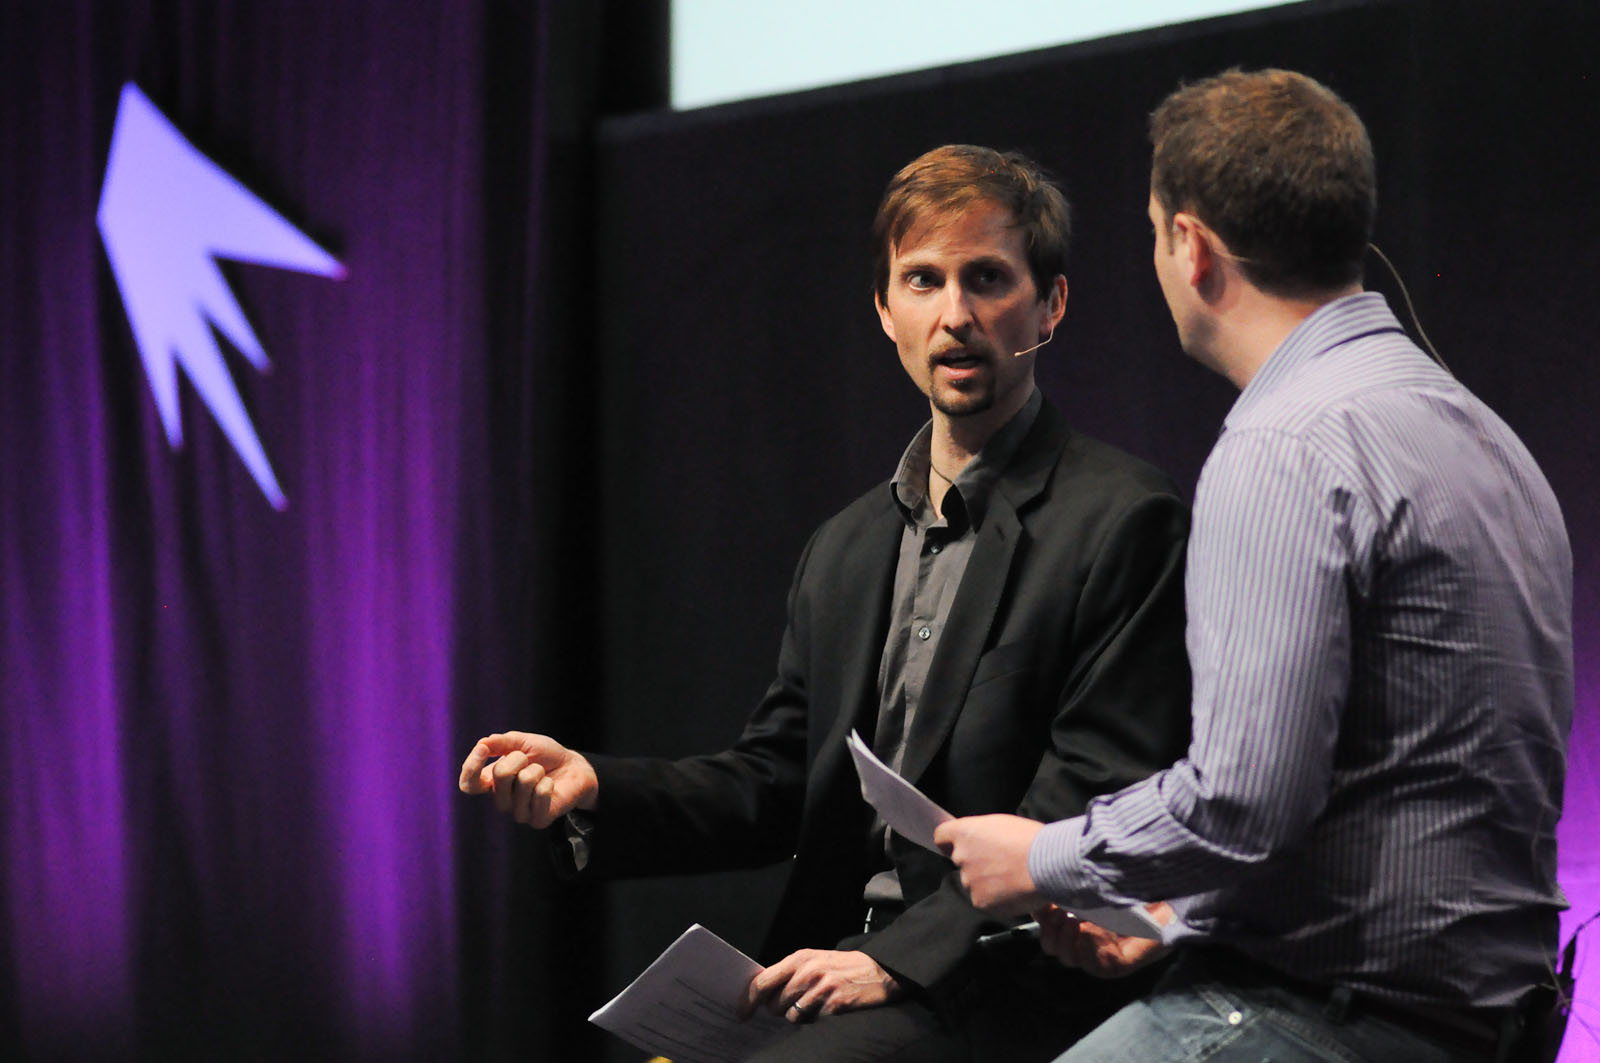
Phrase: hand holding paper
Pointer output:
(1099, 951)
(686, 1005)
(909, 812)
(992, 853)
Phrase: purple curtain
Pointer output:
(230, 734)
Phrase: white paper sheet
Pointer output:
(902, 806)
(913, 814)
(685, 1004)
(1129, 922)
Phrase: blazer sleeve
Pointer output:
(737, 808)
(1121, 713)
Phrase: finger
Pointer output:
(1085, 949)
(785, 997)
(475, 775)
(503, 778)
(508, 764)
(799, 982)
(944, 836)
(527, 794)
(502, 743)
(542, 807)
(472, 779)
(1108, 951)
(504, 772)
(803, 986)
(1134, 953)
(1054, 915)
(805, 1010)
(767, 983)
(475, 778)
(1049, 935)
(526, 790)
(1052, 931)
(1064, 932)
(1129, 954)
(753, 996)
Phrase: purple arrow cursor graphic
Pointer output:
(166, 213)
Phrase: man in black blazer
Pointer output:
(1004, 618)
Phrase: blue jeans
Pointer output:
(1197, 1014)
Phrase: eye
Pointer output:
(987, 278)
(921, 280)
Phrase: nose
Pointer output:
(956, 315)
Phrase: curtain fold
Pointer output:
(230, 734)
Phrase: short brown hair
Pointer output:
(950, 179)
(1279, 166)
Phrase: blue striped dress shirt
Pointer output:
(1380, 628)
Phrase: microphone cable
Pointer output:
(1416, 322)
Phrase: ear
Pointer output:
(884, 317)
(1192, 244)
(1057, 302)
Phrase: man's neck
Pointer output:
(1257, 326)
(957, 440)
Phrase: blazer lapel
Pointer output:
(971, 616)
(977, 603)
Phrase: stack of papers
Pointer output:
(685, 1005)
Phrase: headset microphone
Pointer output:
(1036, 346)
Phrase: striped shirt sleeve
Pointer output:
(1269, 639)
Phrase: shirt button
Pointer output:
(924, 633)
(935, 548)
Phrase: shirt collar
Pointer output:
(1346, 318)
(975, 483)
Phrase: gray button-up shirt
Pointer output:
(933, 558)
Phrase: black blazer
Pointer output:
(1061, 674)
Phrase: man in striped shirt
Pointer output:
(1359, 847)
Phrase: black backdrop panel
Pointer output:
(749, 391)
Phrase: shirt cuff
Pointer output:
(1057, 867)
(572, 853)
